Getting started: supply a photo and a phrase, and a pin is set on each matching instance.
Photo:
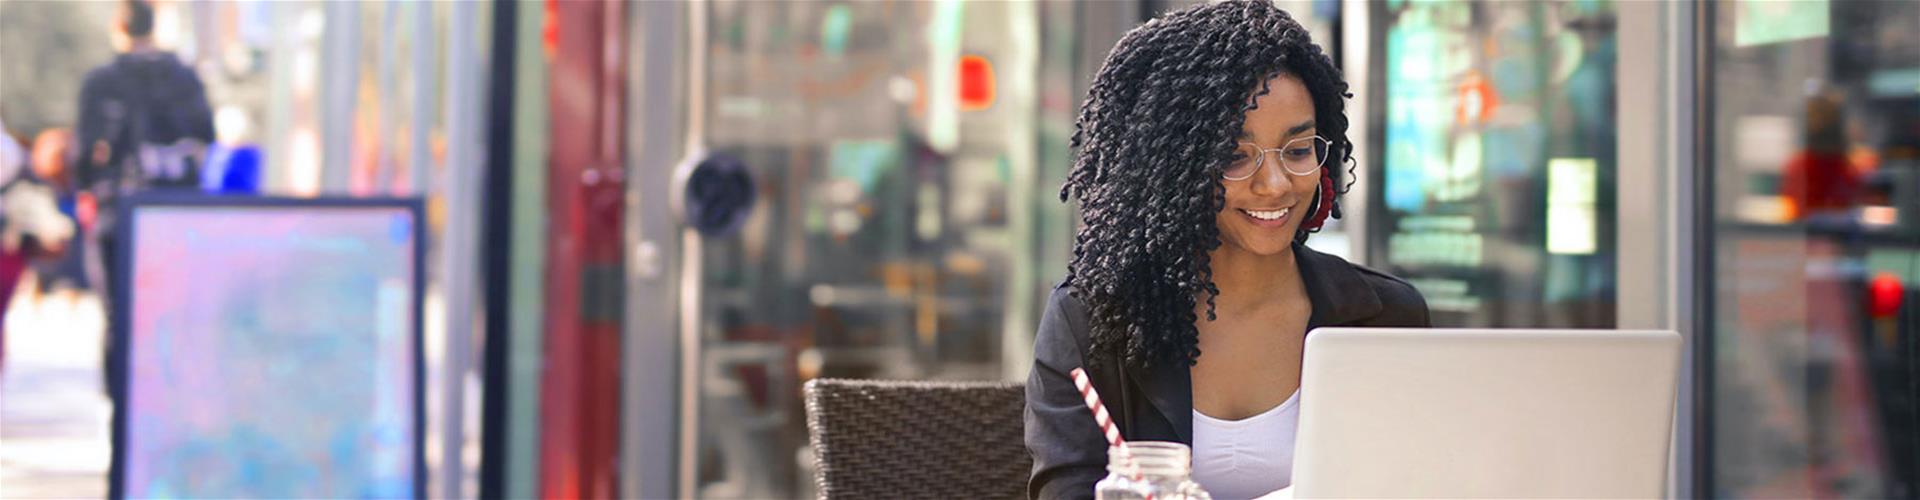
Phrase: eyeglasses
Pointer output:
(1298, 157)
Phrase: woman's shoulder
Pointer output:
(1392, 301)
(1065, 307)
(1390, 288)
(1063, 327)
(1063, 296)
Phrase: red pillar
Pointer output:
(580, 382)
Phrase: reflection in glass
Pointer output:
(1815, 156)
(1496, 194)
(895, 148)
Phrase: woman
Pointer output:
(1212, 143)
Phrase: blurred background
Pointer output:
(618, 237)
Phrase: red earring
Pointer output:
(1322, 205)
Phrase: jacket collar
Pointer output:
(1339, 295)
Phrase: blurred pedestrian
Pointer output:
(1821, 178)
(52, 150)
(144, 124)
(31, 224)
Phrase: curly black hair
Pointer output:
(1160, 121)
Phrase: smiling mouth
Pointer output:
(1267, 215)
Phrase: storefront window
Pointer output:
(895, 152)
(1815, 147)
(1493, 190)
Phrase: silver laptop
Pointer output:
(1440, 413)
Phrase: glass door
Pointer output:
(903, 158)
(1814, 150)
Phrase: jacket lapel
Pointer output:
(1170, 390)
(1340, 295)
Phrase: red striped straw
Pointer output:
(1099, 410)
(1105, 420)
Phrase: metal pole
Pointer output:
(687, 464)
(648, 455)
(1645, 287)
(527, 293)
(1021, 62)
(461, 242)
(1356, 18)
(1692, 83)
(424, 81)
(340, 68)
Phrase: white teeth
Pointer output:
(1268, 214)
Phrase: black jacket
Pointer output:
(1069, 452)
(139, 98)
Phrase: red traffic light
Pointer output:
(1884, 294)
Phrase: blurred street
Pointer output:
(54, 439)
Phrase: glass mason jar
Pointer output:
(1158, 470)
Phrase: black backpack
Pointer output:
(157, 125)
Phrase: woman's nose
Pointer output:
(1272, 179)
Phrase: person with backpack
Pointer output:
(144, 125)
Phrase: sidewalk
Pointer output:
(54, 437)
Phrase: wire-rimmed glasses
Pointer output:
(1299, 157)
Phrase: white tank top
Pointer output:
(1246, 458)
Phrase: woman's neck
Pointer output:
(1249, 281)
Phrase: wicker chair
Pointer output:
(884, 439)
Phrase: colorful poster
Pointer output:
(271, 353)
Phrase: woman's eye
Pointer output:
(1244, 155)
(1299, 153)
